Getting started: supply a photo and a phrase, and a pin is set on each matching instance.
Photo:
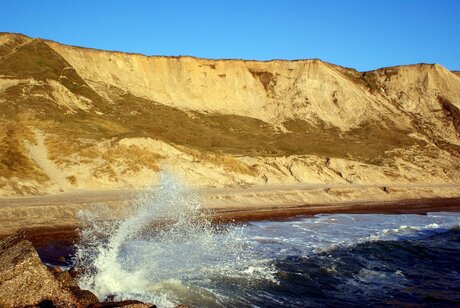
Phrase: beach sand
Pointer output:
(54, 216)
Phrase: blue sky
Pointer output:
(355, 33)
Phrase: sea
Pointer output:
(165, 251)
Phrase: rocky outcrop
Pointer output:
(25, 281)
(125, 304)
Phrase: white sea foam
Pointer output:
(187, 257)
(304, 236)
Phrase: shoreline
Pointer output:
(410, 206)
(41, 236)
(55, 216)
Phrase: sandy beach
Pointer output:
(54, 216)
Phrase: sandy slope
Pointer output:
(39, 154)
(77, 119)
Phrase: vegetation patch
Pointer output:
(104, 171)
(14, 161)
(369, 142)
(133, 158)
(9, 46)
(36, 59)
(227, 162)
(72, 179)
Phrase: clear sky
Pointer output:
(355, 33)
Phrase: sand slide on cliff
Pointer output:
(39, 154)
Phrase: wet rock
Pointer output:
(25, 281)
(85, 297)
(126, 304)
(75, 272)
(64, 278)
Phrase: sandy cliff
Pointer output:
(74, 119)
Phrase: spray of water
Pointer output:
(165, 251)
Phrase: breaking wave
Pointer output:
(165, 251)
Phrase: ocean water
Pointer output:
(167, 253)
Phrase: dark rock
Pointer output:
(126, 304)
(55, 269)
(46, 304)
(75, 272)
(109, 298)
(66, 280)
(85, 297)
(25, 281)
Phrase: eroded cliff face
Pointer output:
(75, 118)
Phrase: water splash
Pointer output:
(165, 251)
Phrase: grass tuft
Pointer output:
(227, 162)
